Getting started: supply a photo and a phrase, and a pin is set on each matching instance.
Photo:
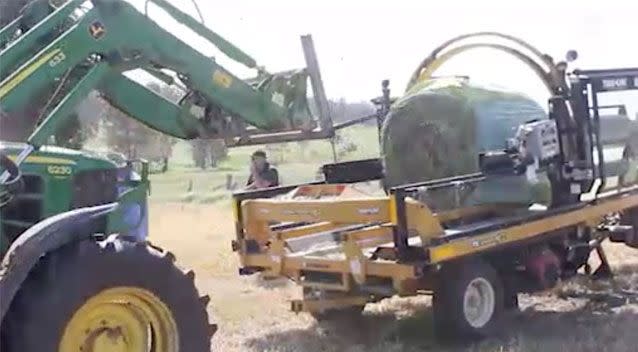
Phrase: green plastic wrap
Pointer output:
(438, 130)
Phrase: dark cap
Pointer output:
(259, 153)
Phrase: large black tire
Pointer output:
(65, 279)
(450, 318)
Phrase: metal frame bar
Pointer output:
(580, 130)
(516, 231)
(312, 66)
(586, 87)
(533, 227)
(399, 219)
(595, 135)
(444, 182)
(320, 305)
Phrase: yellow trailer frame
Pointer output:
(391, 244)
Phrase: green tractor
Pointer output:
(54, 180)
(73, 229)
(77, 272)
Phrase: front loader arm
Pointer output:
(63, 52)
(150, 108)
(71, 50)
(63, 110)
(116, 33)
(49, 65)
(47, 23)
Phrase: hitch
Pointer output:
(622, 234)
(604, 269)
(327, 304)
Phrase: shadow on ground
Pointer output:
(585, 317)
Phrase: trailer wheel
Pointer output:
(468, 300)
(331, 314)
(109, 295)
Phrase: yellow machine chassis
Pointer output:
(362, 230)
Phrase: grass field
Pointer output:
(296, 162)
(253, 315)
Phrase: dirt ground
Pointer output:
(254, 316)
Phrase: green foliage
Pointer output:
(208, 152)
(127, 136)
(342, 110)
(122, 134)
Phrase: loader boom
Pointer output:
(58, 55)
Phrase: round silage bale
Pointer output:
(439, 128)
(422, 132)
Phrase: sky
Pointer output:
(360, 43)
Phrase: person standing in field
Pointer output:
(262, 175)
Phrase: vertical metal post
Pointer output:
(384, 109)
(334, 150)
(598, 143)
(312, 65)
(400, 235)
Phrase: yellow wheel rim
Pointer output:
(122, 319)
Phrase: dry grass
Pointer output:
(254, 316)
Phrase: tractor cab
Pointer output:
(55, 180)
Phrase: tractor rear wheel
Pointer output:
(110, 295)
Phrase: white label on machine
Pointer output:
(369, 211)
(278, 99)
(197, 111)
(355, 267)
(575, 188)
(538, 139)
(615, 83)
(530, 172)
